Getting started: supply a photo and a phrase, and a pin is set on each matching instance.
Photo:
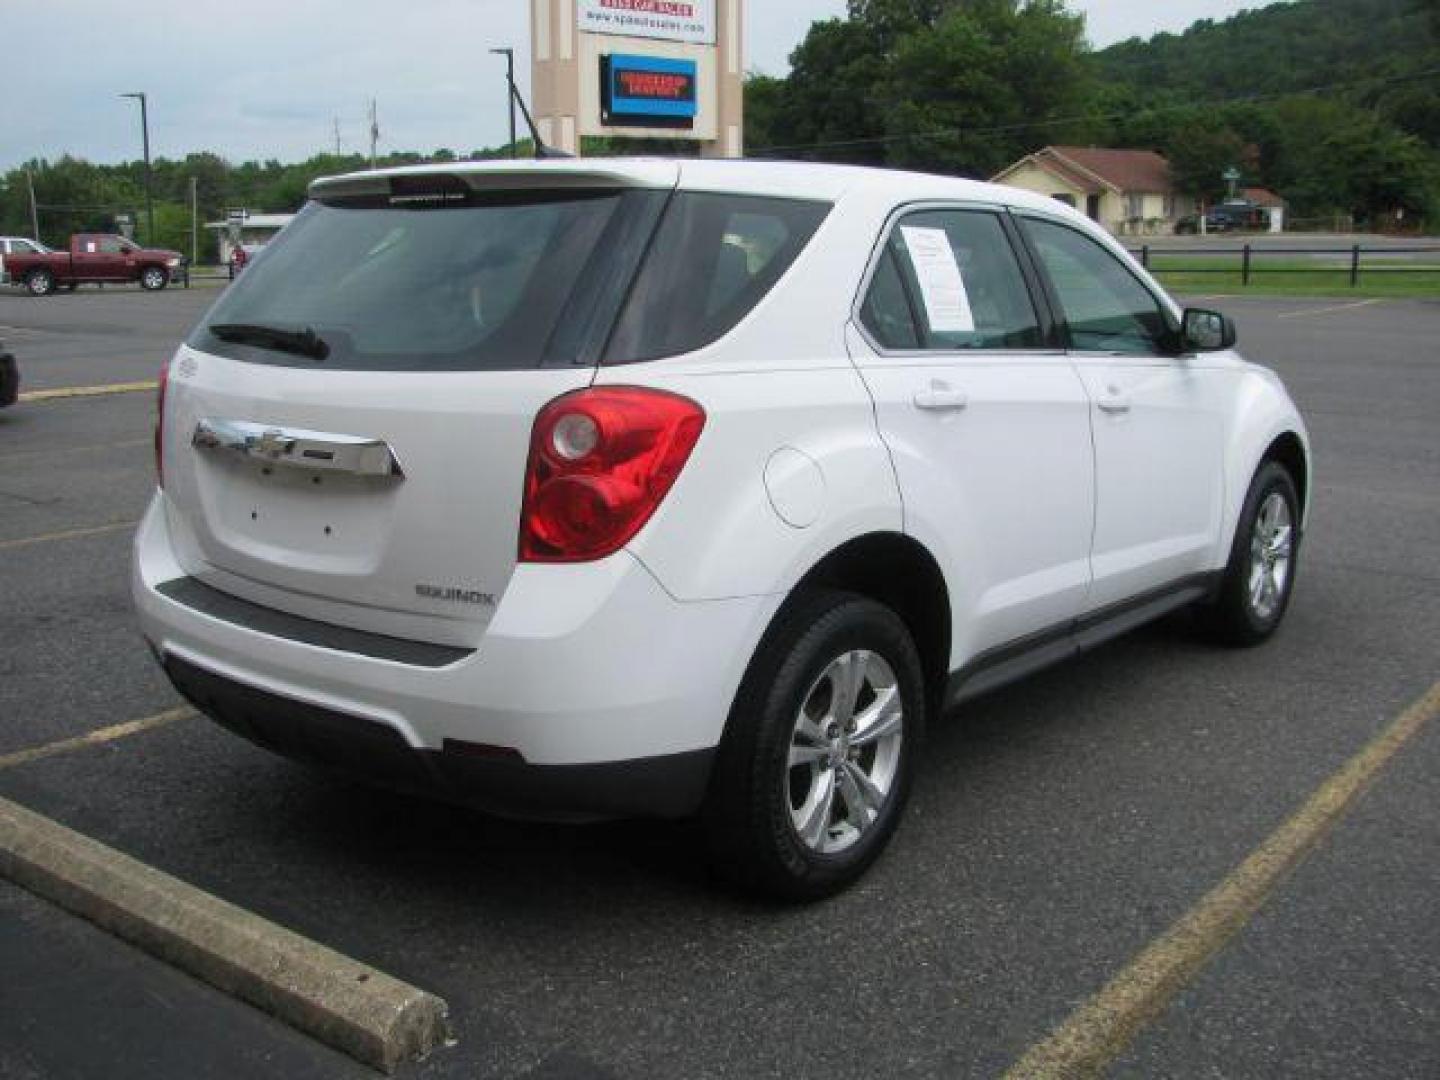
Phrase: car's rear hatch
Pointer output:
(346, 432)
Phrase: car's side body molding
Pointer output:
(1011, 662)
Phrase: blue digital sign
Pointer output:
(648, 91)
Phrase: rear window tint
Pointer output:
(713, 259)
(486, 284)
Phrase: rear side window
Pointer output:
(493, 281)
(713, 259)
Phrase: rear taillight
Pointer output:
(601, 461)
(160, 423)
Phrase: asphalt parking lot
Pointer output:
(1057, 828)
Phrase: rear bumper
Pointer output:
(593, 693)
(669, 786)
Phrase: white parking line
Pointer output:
(1328, 310)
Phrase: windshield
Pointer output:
(482, 284)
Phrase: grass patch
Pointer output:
(1380, 278)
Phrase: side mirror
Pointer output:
(1206, 331)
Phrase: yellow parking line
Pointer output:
(1101, 1029)
(96, 738)
(88, 391)
(1328, 310)
(87, 449)
(68, 534)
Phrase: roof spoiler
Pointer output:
(422, 183)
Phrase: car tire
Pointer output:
(40, 282)
(1259, 578)
(797, 810)
(154, 278)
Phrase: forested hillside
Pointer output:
(1375, 46)
(1333, 103)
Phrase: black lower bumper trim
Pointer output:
(669, 786)
(198, 596)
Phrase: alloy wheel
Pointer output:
(1271, 548)
(845, 751)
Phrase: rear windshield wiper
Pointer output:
(304, 342)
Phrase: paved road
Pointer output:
(1057, 826)
(1420, 249)
(1284, 241)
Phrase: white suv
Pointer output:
(597, 488)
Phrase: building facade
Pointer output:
(1130, 192)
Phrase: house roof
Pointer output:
(1259, 196)
(1128, 170)
(1093, 168)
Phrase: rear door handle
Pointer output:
(1113, 401)
(941, 397)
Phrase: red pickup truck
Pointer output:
(94, 257)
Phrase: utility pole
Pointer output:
(509, 55)
(194, 221)
(145, 135)
(34, 210)
(374, 132)
(336, 121)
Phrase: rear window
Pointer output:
(483, 282)
(713, 259)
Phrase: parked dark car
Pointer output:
(9, 379)
(1226, 217)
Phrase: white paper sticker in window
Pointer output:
(947, 304)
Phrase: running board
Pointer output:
(1005, 664)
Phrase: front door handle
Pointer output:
(940, 397)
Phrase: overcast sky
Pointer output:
(269, 78)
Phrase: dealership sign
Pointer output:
(667, 20)
(647, 91)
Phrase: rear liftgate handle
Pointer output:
(323, 451)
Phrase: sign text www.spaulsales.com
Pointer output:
(674, 20)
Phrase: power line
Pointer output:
(1154, 110)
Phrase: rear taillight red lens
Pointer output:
(601, 461)
(160, 423)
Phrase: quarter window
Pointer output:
(713, 259)
(964, 286)
(1106, 308)
(886, 312)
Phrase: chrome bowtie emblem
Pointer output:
(274, 444)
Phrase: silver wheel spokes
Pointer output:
(844, 751)
(1271, 549)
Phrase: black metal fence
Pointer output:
(1251, 258)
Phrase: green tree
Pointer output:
(970, 94)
